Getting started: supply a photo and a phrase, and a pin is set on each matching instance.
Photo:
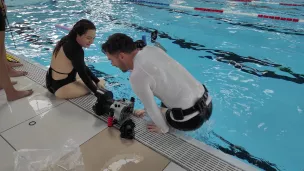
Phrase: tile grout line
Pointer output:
(8, 142)
(165, 155)
(94, 136)
(30, 118)
(167, 165)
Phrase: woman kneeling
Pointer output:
(68, 64)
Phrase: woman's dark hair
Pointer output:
(80, 28)
(119, 42)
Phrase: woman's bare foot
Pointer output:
(13, 82)
(18, 95)
(14, 73)
(13, 64)
(139, 113)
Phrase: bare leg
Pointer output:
(72, 90)
(13, 64)
(11, 71)
(11, 93)
(13, 83)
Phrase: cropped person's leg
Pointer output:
(11, 71)
(5, 82)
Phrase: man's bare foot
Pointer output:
(13, 64)
(139, 113)
(18, 95)
(13, 82)
(14, 73)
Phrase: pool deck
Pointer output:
(56, 122)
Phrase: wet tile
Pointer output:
(52, 129)
(107, 151)
(174, 167)
(6, 156)
(16, 112)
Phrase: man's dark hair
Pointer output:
(118, 42)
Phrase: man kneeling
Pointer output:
(186, 104)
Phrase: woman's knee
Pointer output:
(81, 84)
(62, 93)
(72, 90)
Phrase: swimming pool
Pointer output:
(257, 109)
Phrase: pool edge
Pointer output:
(189, 153)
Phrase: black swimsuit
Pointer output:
(75, 53)
(54, 85)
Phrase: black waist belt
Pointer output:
(200, 105)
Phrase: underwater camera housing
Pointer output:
(122, 109)
(103, 103)
(118, 111)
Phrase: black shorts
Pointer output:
(191, 124)
(2, 21)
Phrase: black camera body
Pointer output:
(127, 129)
(119, 110)
(123, 109)
(102, 105)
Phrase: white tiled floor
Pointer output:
(14, 113)
(6, 156)
(57, 121)
(173, 167)
(54, 128)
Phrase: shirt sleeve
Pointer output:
(77, 58)
(93, 77)
(141, 87)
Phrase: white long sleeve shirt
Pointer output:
(157, 74)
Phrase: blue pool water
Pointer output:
(258, 110)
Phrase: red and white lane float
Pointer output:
(221, 10)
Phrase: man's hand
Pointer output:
(153, 128)
(139, 113)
